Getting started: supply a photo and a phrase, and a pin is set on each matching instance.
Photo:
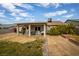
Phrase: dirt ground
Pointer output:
(16, 38)
(56, 45)
(59, 46)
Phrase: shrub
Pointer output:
(62, 29)
(70, 29)
(77, 31)
(53, 31)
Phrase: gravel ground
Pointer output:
(59, 46)
(16, 38)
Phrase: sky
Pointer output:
(37, 12)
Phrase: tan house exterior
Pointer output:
(37, 28)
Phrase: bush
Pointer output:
(53, 31)
(70, 29)
(62, 29)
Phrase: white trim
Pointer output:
(17, 30)
(44, 30)
(29, 30)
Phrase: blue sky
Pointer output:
(37, 12)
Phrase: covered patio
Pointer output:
(32, 28)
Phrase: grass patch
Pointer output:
(17, 49)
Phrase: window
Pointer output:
(37, 28)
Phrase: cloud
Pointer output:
(26, 15)
(31, 20)
(14, 11)
(12, 6)
(18, 15)
(43, 4)
(17, 19)
(58, 19)
(21, 14)
(46, 5)
(68, 16)
(17, 12)
(56, 13)
(2, 13)
(2, 21)
(26, 6)
(56, 5)
(22, 20)
(9, 6)
(72, 10)
(22, 17)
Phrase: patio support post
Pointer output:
(17, 30)
(44, 30)
(29, 30)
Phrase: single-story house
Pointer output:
(74, 22)
(38, 28)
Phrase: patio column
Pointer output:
(44, 30)
(17, 30)
(29, 30)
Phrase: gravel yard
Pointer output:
(59, 46)
(16, 38)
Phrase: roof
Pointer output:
(56, 23)
(74, 21)
(31, 23)
(47, 23)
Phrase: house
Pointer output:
(37, 28)
(74, 22)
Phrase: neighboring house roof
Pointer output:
(73, 21)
